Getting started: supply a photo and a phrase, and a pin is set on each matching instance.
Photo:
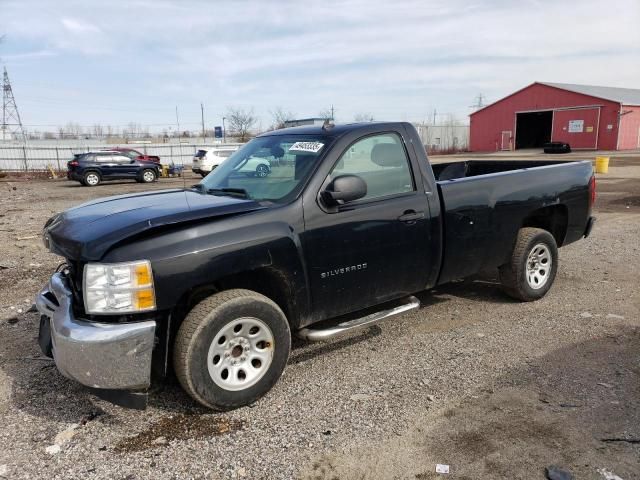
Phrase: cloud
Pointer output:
(79, 27)
(392, 59)
(29, 55)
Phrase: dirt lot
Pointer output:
(494, 388)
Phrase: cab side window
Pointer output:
(381, 161)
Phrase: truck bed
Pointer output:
(474, 168)
(485, 203)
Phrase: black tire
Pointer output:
(148, 175)
(262, 170)
(516, 279)
(202, 326)
(91, 179)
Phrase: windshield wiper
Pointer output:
(230, 192)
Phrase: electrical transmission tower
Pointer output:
(11, 123)
(479, 102)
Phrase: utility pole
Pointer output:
(434, 116)
(333, 118)
(203, 131)
(178, 124)
(179, 139)
(224, 131)
(11, 122)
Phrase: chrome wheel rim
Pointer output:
(539, 263)
(92, 179)
(148, 176)
(262, 171)
(240, 354)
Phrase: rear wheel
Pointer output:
(231, 349)
(91, 179)
(148, 176)
(533, 265)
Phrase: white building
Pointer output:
(444, 137)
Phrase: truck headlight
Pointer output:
(118, 287)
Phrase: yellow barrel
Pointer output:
(602, 164)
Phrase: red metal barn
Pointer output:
(584, 116)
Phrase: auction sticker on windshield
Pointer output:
(312, 147)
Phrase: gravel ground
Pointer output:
(474, 380)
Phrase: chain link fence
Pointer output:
(28, 158)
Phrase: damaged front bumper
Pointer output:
(113, 359)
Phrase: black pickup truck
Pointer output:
(210, 282)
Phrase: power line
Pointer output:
(94, 106)
(108, 124)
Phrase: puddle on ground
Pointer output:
(178, 427)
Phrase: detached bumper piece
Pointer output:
(113, 359)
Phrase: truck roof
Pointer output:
(334, 131)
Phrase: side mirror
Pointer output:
(345, 188)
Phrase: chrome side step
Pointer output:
(316, 334)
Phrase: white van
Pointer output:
(207, 159)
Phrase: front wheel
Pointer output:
(530, 272)
(148, 176)
(231, 349)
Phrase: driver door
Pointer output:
(374, 249)
(125, 166)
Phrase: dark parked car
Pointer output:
(92, 168)
(135, 154)
(213, 280)
(557, 147)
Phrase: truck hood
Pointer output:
(87, 231)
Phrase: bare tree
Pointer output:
(131, 130)
(426, 133)
(98, 131)
(449, 130)
(73, 129)
(241, 122)
(363, 117)
(326, 114)
(280, 117)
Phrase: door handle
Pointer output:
(411, 216)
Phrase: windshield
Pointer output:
(267, 168)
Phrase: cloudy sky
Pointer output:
(127, 61)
